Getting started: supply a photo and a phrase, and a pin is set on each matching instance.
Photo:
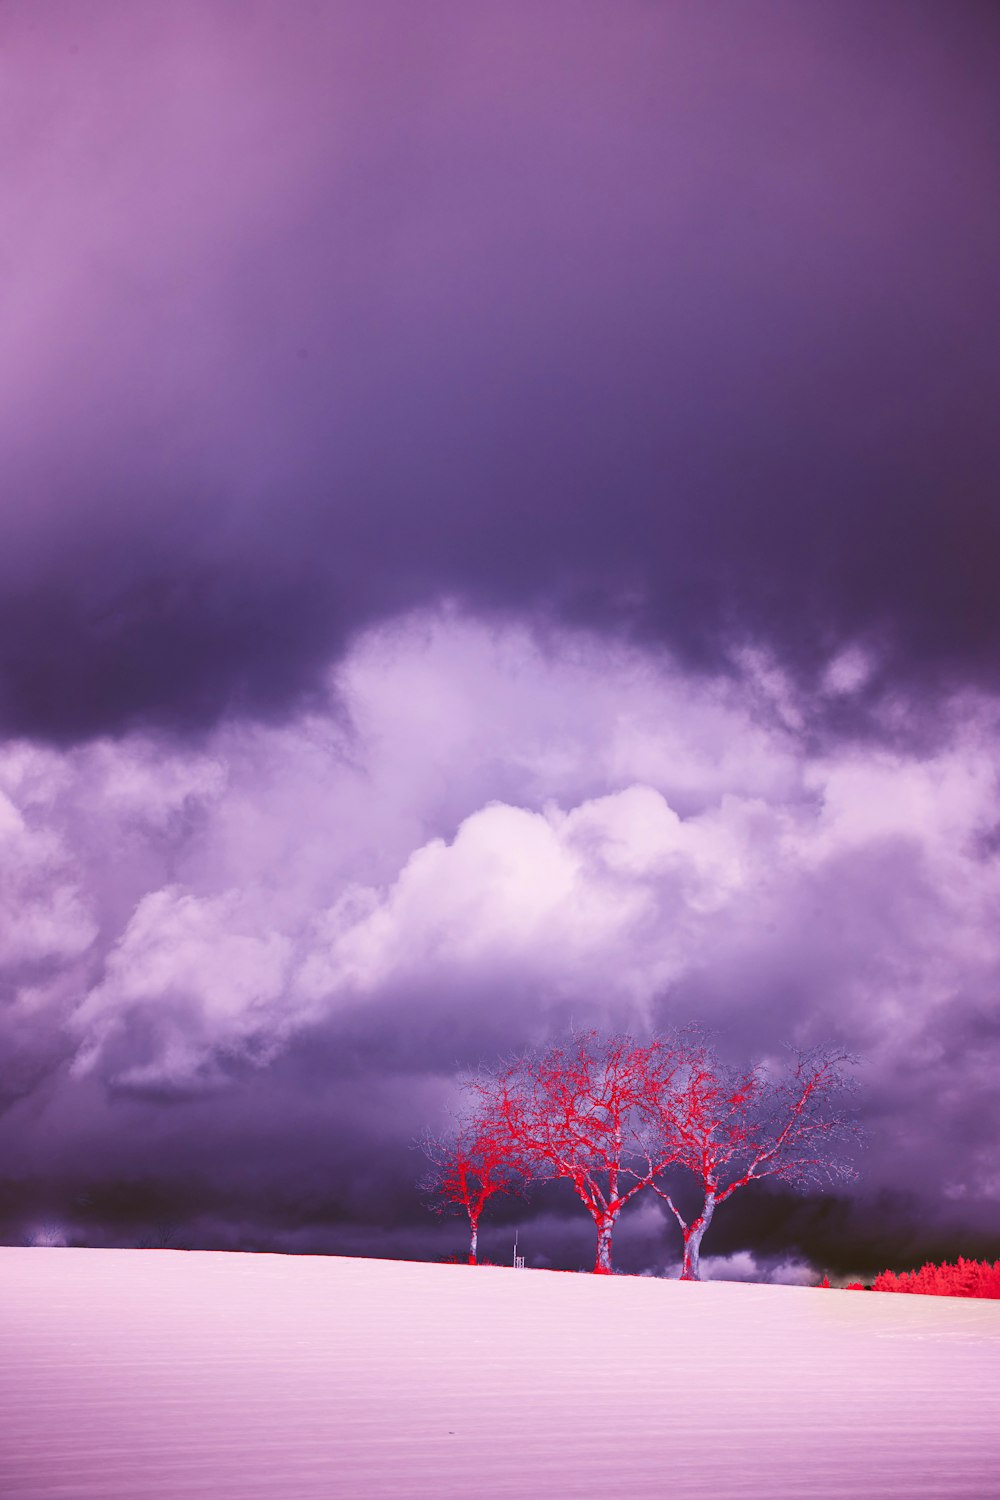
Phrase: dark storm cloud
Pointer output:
(676, 319)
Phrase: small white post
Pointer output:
(518, 1259)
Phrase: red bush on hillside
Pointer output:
(969, 1278)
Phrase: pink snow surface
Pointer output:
(140, 1373)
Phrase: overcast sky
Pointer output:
(499, 528)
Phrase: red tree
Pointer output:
(731, 1128)
(585, 1112)
(466, 1169)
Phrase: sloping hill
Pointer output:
(140, 1374)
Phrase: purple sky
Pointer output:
(500, 526)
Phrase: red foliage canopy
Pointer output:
(466, 1169)
(734, 1127)
(585, 1112)
(966, 1278)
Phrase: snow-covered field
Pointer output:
(147, 1373)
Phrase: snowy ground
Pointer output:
(162, 1373)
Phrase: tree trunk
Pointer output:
(694, 1233)
(473, 1241)
(602, 1265)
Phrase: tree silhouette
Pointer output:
(586, 1112)
(732, 1128)
(467, 1168)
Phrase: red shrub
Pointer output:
(968, 1278)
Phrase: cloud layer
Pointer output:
(486, 835)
